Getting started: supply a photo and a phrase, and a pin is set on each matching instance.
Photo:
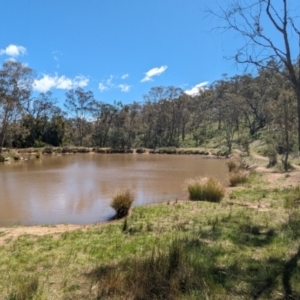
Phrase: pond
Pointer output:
(77, 188)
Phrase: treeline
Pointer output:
(231, 108)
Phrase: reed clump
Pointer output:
(122, 200)
(203, 188)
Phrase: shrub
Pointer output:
(272, 155)
(2, 158)
(140, 150)
(205, 188)
(237, 177)
(100, 150)
(122, 199)
(48, 150)
(170, 151)
(82, 150)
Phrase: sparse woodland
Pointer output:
(233, 110)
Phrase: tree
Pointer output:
(249, 19)
(15, 89)
(79, 104)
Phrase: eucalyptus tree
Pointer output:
(269, 30)
(163, 115)
(15, 89)
(202, 114)
(37, 118)
(103, 115)
(227, 103)
(79, 104)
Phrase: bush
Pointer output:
(48, 150)
(140, 150)
(204, 188)
(121, 202)
(2, 158)
(272, 155)
(82, 150)
(237, 177)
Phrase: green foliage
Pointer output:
(272, 155)
(203, 188)
(245, 143)
(47, 150)
(39, 144)
(122, 200)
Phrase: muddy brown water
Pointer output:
(77, 188)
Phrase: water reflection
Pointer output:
(77, 188)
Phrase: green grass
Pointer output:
(176, 250)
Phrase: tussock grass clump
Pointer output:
(203, 188)
(122, 200)
(238, 177)
(232, 165)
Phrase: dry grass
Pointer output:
(122, 200)
(238, 177)
(203, 188)
(232, 165)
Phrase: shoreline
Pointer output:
(273, 178)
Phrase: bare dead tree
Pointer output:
(270, 32)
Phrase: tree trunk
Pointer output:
(298, 115)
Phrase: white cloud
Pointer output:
(63, 83)
(13, 50)
(48, 82)
(107, 84)
(124, 88)
(154, 72)
(102, 87)
(195, 90)
(80, 81)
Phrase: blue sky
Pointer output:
(118, 49)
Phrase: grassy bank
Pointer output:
(245, 247)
